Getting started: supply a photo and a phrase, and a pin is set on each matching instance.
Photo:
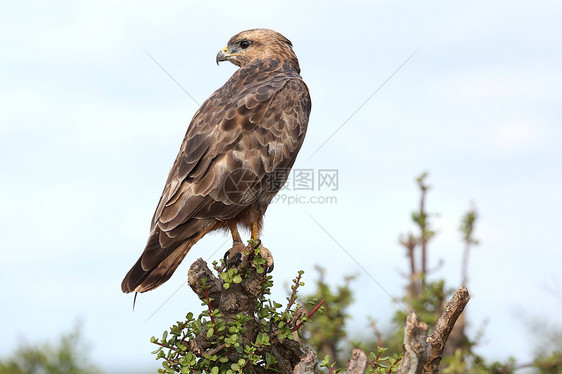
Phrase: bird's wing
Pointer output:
(197, 190)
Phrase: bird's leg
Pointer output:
(264, 252)
(234, 254)
(234, 232)
(255, 231)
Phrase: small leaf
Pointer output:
(156, 350)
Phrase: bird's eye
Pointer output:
(244, 44)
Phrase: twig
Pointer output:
(294, 289)
(392, 366)
(211, 312)
(378, 334)
(423, 227)
(216, 350)
(298, 326)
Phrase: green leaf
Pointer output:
(270, 359)
(156, 350)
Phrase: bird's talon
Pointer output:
(233, 257)
(236, 260)
(266, 255)
(269, 269)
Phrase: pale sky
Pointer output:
(90, 125)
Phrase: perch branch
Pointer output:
(241, 298)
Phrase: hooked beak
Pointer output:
(222, 55)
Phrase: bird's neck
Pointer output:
(272, 64)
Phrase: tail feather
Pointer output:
(159, 261)
(141, 280)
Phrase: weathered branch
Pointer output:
(358, 362)
(415, 340)
(443, 328)
(308, 363)
(423, 354)
(199, 271)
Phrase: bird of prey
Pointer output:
(234, 158)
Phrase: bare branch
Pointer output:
(358, 362)
(199, 271)
(423, 354)
(308, 363)
(443, 327)
(415, 339)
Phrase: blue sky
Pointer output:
(90, 125)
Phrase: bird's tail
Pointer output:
(142, 278)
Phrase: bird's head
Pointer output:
(255, 44)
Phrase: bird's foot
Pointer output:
(265, 254)
(233, 257)
(240, 255)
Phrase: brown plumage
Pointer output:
(234, 157)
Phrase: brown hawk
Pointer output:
(234, 158)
